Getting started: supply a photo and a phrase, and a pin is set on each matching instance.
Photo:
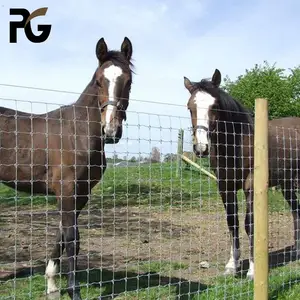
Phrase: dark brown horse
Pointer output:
(62, 152)
(223, 129)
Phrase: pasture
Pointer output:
(145, 234)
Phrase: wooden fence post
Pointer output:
(261, 178)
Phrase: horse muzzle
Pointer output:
(200, 150)
(112, 135)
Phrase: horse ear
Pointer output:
(126, 48)
(188, 84)
(101, 50)
(216, 79)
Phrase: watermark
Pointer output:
(26, 25)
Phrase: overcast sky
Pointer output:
(171, 39)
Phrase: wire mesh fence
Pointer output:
(145, 232)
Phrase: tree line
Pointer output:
(154, 157)
(280, 86)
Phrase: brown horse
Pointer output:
(223, 129)
(62, 152)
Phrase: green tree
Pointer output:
(132, 159)
(265, 81)
(170, 157)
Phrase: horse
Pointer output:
(61, 152)
(223, 129)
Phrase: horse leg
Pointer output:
(72, 244)
(249, 228)
(230, 203)
(58, 250)
(72, 239)
(288, 191)
(54, 260)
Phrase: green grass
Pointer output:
(159, 266)
(151, 185)
(11, 197)
(158, 186)
(284, 283)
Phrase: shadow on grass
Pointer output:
(277, 259)
(116, 283)
(112, 284)
(284, 288)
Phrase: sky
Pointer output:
(170, 38)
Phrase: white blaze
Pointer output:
(203, 102)
(112, 74)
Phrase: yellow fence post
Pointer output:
(261, 178)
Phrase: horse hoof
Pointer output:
(75, 295)
(53, 295)
(250, 275)
(229, 271)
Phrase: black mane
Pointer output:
(230, 109)
(119, 60)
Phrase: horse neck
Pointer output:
(228, 140)
(87, 109)
(88, 100)
(88, 97)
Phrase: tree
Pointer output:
(265, 81)
(170, 157)
(155, 155)
(132, 159)
(146, 159)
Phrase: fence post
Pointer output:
(179, 151)
(261, 178)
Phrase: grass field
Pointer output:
(284, 284)
(188, 206)
(152, 185)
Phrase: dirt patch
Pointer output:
(120, 239)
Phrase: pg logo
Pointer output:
(26, 25)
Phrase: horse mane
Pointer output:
(234, 110)
(230, 109)
(238, 119)
(119, 59)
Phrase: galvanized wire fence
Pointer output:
(145, 232)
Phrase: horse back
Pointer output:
(38, 151)
(284, 146)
